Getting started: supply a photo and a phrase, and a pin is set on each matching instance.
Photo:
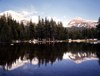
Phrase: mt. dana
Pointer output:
(16, 16)
(79, 22)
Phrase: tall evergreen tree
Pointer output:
(98, 28)
(39, 29)
(53, 29)
(31, 30)
(5, 35)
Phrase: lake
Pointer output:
(50, 59)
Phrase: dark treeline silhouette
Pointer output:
(85, 33)
(45, 29)
(98, 28)
(45, 53)
(49, 30)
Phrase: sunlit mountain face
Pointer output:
(16, 16)
(79, 22)
(13, 57)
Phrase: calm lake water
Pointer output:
(55, 59)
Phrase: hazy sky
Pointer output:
(60, 10)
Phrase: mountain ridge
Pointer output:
(16, 16)
(76, 22)
(79, 22)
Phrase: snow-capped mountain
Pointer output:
(16, 16)
(79, 22)
(80, 57)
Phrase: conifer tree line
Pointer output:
(86, 33)
(45, 29)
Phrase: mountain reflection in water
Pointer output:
(12, 57)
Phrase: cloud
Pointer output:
(65, 23)
(54, 18)
(34, 12)
(43, 12)
(49, 17)
(25, 13)
(28, 11)
(35, 62)
(64, 16)
(35, 19)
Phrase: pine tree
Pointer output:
(98, 28)
(5, 35)
(47, 29)
(53, 29)
(39, 29)
(66, 35)
(31, 30)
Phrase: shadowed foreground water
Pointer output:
(55, 59)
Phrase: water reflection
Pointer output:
(12, 57)
(23, 53)
(80, 57)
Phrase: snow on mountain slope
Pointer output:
(79, 22)
(16, 16)
(80, 57)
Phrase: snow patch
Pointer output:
(72, 22)
(16, 16)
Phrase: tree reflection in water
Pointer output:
(45, 53)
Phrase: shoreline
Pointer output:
(85, 41)
(28, 41)
(56, 41)
(78, 40)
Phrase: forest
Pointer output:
(11, 29)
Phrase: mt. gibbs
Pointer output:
(79, 22)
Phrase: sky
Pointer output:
(59, 10)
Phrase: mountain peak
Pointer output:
(78, 18)
(79, 22)
(16, 16)
(10, 11)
